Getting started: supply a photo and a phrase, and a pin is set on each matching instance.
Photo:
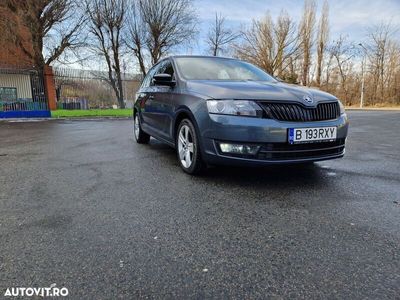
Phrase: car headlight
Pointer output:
(235, 107)
(342, 110)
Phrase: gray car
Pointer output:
(216, 110)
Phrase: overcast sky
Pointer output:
(351, 17)
(347, 17)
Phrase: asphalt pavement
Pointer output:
(84, 207)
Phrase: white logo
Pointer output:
(51, 291)
(308, 99)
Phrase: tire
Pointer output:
(140, 136)
(188, 149)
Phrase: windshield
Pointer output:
(212, 68)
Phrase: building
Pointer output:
(22, 87)
(15, 39)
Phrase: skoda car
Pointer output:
(215, 110)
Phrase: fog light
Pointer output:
(239, 148)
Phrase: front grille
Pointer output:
(285, 151)
(294, 112)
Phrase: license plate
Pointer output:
(315, 134)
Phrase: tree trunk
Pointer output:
(319, 64)
(306, 68)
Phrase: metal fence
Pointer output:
(85, 89)
(22, 94)
(23, 91)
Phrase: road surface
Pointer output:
(85, 207)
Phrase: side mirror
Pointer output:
(163, 79)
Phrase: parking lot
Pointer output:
(85, 207)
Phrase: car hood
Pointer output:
(257, 90)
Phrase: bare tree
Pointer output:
(271, 46)
(219, 36)
(106, 24)
(67, 38)
(342, 52)
(392, 74)
(257, 46)
(287, 44)
(380, 46)
(136, 37)
(54, 26)
(328, 68)
(156, 26)
(322, 39)
(307, 28)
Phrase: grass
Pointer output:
(64, 113)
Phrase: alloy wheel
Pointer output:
(185, 146)
(136, 126)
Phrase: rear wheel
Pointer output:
(140, 136)
(187, 148)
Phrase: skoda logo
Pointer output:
(308, 99)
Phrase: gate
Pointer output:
(22, 94)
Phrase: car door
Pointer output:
(155, 103)
(161, 103)
(166, 94)
(145, 99)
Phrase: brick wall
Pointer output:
(15, 49)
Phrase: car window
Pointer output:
(167, 69)
(148, 80)
(212, 68)
(158, 70)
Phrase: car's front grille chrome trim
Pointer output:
(295, 112)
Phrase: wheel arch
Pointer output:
(199, 163)
(183, 113)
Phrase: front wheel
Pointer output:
(140, 136)
(188, 149)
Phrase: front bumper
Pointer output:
(271, 135)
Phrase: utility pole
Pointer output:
(362, 74)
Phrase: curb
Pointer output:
(92, 118)
(22, 120)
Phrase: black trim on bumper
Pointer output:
(285, 152)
